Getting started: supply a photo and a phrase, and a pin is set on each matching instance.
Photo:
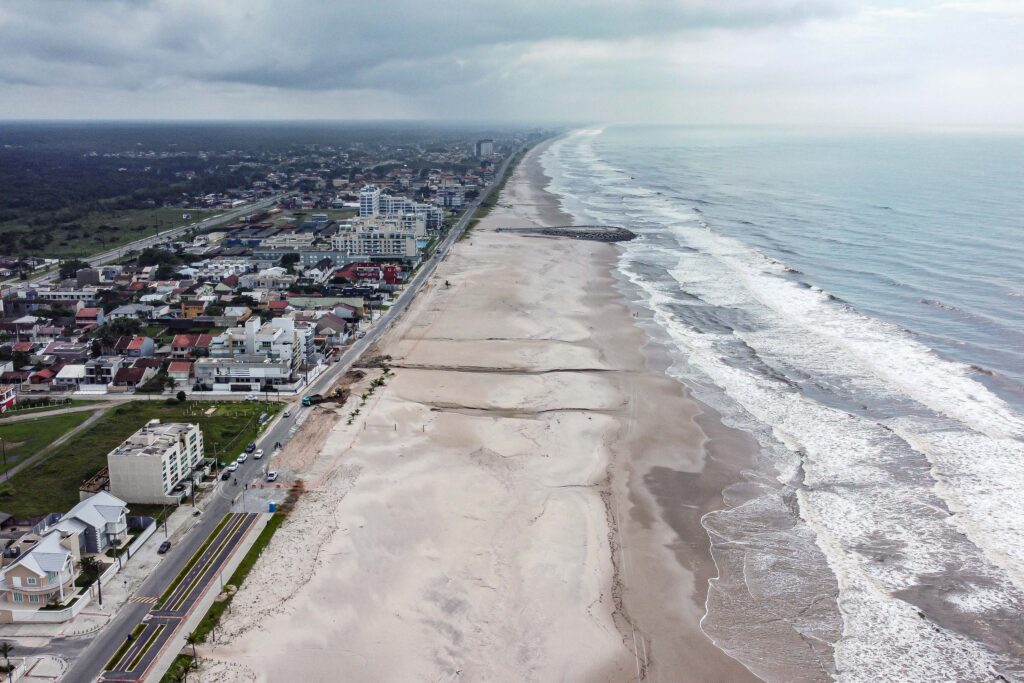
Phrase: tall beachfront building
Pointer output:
(369, 201)
(484, 149)
(147, 466)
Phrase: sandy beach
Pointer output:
(520, 501)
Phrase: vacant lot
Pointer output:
(52, 485)
(24, 437)
(92, 233)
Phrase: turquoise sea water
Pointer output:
(854, 300)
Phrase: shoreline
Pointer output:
(535, 511)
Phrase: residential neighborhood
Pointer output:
(153, 391)
(261, 304)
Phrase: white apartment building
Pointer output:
(390, 205)
(365, 239)
(290, 240)
(219, 268)
(276, 340)
(484, 148)
(369, 201)
(244, 372)
(398, 206)
(147, 466)
(416, 223)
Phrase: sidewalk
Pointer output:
(116, 592)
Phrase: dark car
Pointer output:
(251, 447)
(226, 475)
(164, 547)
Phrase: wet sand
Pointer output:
(520, 502)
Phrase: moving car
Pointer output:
(287, 413)
(250, 397)
(272, 475)
(164, 547)
(257, 454)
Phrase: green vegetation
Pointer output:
(94, 231)
(23, 438)
(53, 484)
(179, 668)
(212, 617)
(51, 404)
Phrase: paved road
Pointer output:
(162, 623)
(91, 662)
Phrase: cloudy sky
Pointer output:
(955, 62)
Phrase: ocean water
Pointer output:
(856, 302)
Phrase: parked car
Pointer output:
(226, 475)
(242, 458)
(233, 467)
(250, 397)
(272, 475)
(257, 454)
(164, 547)
(251, 447)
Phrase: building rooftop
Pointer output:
(153, 440)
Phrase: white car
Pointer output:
(272, 475)
(242, 458)
(287, 413)
(250, 397)
(257, 454)
(232, 467)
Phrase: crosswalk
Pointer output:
(143, 599)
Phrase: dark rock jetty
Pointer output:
(596, 233)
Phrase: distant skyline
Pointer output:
(807, 62)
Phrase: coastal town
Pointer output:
(146, 393)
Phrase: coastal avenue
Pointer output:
(89, 664)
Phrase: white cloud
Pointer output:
(699, 61)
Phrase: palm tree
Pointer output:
(5, 650)
(92, 569)
(192, 639)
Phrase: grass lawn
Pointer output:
(52, 485)
(74, 403)
(24, 437)
(102, 230)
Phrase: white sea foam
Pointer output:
(876, 483)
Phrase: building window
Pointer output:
(18, 597)
(31, 581)
(33, 598)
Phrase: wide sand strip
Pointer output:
(520, 502)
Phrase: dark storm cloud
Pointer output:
(323, 45)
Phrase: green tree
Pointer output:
(70, 267)
(92, 569)
(181, 396)
(5, 649)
